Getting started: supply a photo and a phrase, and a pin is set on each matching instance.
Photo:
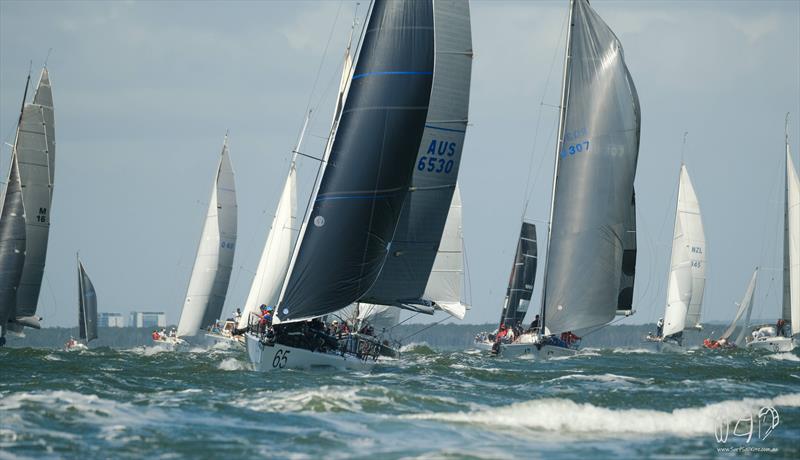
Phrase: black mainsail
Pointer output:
(350, 225)
(87, 305)
(523, 275)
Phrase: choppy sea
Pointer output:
(148, 402)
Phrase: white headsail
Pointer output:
(687, 276)
(791, 245)
(743, 313)
(447, 275)
(277, 254)
(208, 286)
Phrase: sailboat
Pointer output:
(687, 274)
(213, 264)
(355, 207)
(87, 311)
(745, 307)
(783, 336)
(35, 150)
(590, 211)
(520, 288)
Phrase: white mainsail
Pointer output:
(36, 150)
(213, 264)
(277, 254)
(791, 245)
(447, 275)
(687, 276)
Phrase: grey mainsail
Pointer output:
(213, 264)
(745, 308)
(598, 148)
(87, 305)
(523, 275)
(35, 147)
(405, 274)
(349, 227)
(12, 244)
(627, 277)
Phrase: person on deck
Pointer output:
(265, 320)
(780, 328)
(535, 324)
(501, 333)
(660, 327)
(155, 335)
(569, 338)
(237, 316)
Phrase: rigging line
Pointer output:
(528, 184)
(324, 57)
(401, 322)
(425, 328)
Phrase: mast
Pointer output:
(561, 121)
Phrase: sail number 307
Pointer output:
(575, 148)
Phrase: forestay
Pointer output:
(596, 165)
(208, 285)
(367, 170)
(404, 277)
(687, 276)
(36, 150)
(523, 275)
(87, 305)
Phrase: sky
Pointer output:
(144, 92)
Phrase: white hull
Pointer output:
(662, 346)
(775, 344)
(483, 345)
(275, 357)
(76, 347)
(236, 340)
(530, 350)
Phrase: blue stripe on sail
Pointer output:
(354, 197)
(399, 72)
(446, 129)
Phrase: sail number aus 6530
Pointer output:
(436, 158)
(280, 359)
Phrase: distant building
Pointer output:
(111, 320)
(148, 319)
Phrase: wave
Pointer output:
(566, 416)
(784, 357)
(323, 399)
(421, 348)
(605, 378)
(145, 350)
(631, 350)
(232, 364)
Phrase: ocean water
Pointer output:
(147, 402)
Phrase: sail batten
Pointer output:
(346, 236)
(208, 286)
(593, 182)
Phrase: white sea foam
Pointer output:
(566, 416)
(149, 351)
(627, 351)
(232, 364)
(322, 399)
(605, 378)
(413, 346)
(784, 357)
(92, 408)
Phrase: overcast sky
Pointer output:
(144, 92)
